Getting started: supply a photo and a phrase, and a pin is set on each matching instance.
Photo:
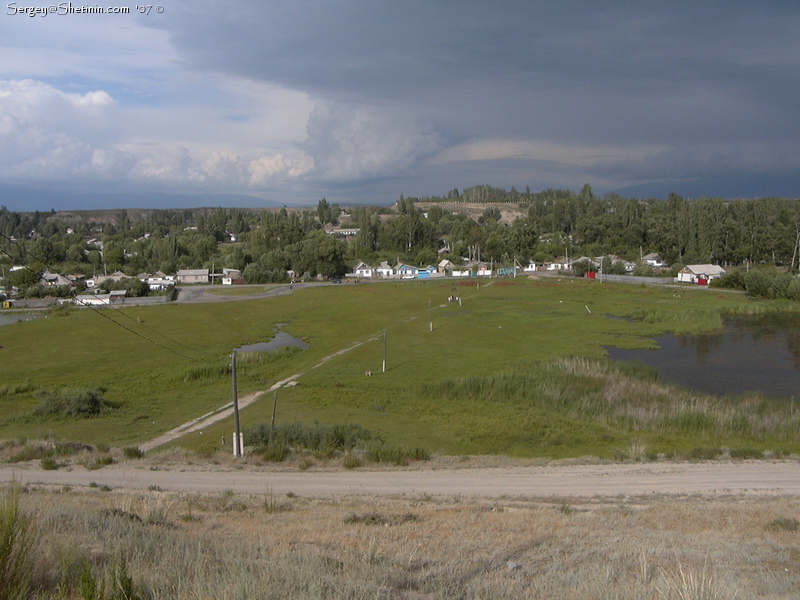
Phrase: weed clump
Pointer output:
(375, 518)
(784, 524)
(380, 453)
(325, 441)
(133, 453)
(746, 453)
(77, 404)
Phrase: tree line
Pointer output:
(513, 225)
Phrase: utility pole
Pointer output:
(384, 351)
(237, 435)
(430, 315)
(274, 409)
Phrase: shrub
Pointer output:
(701, 453)
(80, 403)
(352, 461)
(132, 452)
(379, 453)
(746, 453)
(275, 452)
(205, 372)
(324, 440)
(784, 524)
(375, 518)
(48, 463)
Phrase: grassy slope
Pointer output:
(498, 327)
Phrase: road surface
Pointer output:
(568, 481)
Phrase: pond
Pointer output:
(750, 354)
(280, 340)
(7, 319)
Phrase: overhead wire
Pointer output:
(45, 262)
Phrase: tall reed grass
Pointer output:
(625, 398)
(16, 559)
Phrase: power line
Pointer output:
(117, 323)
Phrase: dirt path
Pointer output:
(712, 479)
(226, 411)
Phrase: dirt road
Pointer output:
(569, 481)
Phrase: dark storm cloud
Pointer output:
(665, 74)
(419, 97)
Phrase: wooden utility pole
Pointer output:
(430, 315)
(274, 409)
(237, 435)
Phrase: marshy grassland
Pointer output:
(517, 368)
(101, 543)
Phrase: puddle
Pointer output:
(281, 340)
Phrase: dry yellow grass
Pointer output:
(420, 547)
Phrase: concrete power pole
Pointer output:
(237, 435)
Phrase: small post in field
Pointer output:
(384, 351)
(237, 435)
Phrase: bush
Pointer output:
(701, 453)
(80, 404)
(48, 463)
(132, 452)
(379, 453)
(784, 524)
(323, 440)
(275, 452)
(746, 453)
(352, 461)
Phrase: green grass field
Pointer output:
(490, 378)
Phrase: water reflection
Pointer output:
(280, 340)
(9, 318)
(749, 354)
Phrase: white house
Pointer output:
(445, 266)
(700, 274)
(385, 270)
(364, 270)
(559, 264)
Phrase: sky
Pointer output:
(359, 101)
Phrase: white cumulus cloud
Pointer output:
(350, 142)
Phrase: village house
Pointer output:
(190, 276)
(406, 271)
(385, 270)
(654, 260)
(157, 281)
(98, 280)
(231, 276)
(55, 280)
(364, 270)
(530, 268)
(699, 274)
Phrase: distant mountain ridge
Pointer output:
(27, 200)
